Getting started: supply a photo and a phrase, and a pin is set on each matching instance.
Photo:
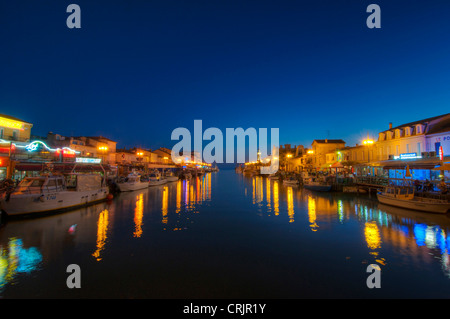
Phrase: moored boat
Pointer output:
(155, 178)
(132, 182)
(53, 193)
(404, 197)
(170, 176)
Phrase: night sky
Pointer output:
(136, 70)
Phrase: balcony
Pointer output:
(14, 138)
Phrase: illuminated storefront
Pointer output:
(407, 166)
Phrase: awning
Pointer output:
(428, 163)
(337, 165)
(411, 166)
(445, 167)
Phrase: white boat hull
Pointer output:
(23, 204)
(415, 204)
(129, 187)
(171, 178)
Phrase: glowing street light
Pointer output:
(368, 142)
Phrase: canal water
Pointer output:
(225, 235)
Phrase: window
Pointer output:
(37, 183)
(1, 133)
(419, 129)
(389, 135)
(15, 135)
(418, 149)
(407, 148)
(396, 150)
(51, 183)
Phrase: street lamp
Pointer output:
(103, 150)
(368, 142)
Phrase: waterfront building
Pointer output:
(97, 147)
(412, 138)
(306, 160)
(320, 149)
(166, 157)
(75, 143)
(13, 131)
(105, 146)
(290, 157)
(413, 150)
(135, 158)
(418, 146)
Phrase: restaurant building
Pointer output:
(14, 135)
(413, 150)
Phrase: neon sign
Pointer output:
(33, 146)
(408, 156)
(441, 153)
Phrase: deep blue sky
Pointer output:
(136, 70)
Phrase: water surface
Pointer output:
(224, 235)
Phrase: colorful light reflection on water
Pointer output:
(194, 238)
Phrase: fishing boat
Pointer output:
(404, 197)
(53, 193)
(132, 182)
(170, 176)
(317, 186)
(155, 178)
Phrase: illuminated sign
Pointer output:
(408, 156)
(441, 153)
(88, 160)
(11, 123)
(35, 145)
